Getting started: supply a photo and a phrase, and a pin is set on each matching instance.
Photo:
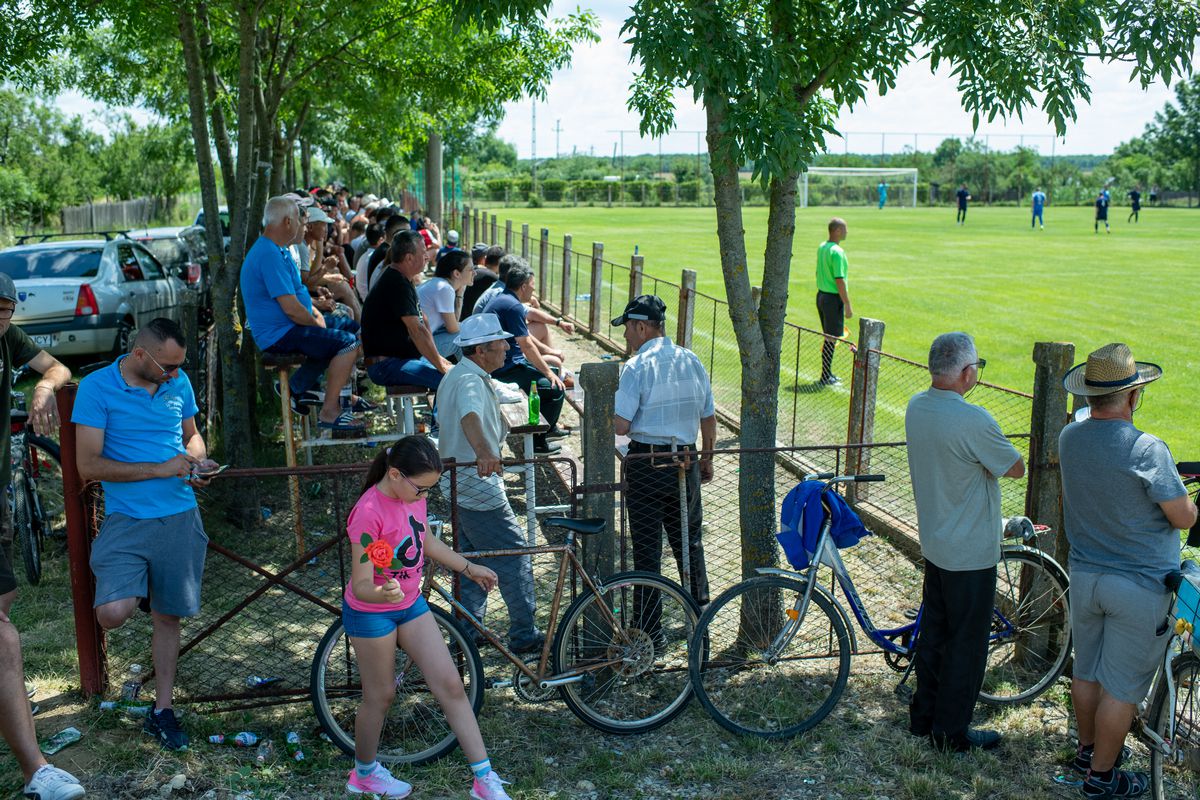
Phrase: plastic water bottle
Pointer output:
(535, 404)
(293, 746)
(133, 683)
(265, 752)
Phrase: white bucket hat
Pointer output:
(479, 329)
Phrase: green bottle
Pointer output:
(535, 405)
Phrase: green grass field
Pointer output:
(995, 277)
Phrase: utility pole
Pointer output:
(557, 134)
(533, 150)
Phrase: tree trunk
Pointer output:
(216, 107)
(305, 163)
(433, 178)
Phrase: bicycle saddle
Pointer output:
(587, 527)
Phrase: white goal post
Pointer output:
(857, 186)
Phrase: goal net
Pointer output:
(858, 186)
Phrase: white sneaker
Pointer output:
(489, 787)
(52, 783)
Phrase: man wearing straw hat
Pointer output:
(1123, 504)
(473, 429)
(956, 455)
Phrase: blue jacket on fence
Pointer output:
(801, 518)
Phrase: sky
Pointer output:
(589, 99)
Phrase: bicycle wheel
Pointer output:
(635, 676)
(765, 675)
(1167, 772)
(25, 530)
(1031, 628)
(415, 731)
(45, 473)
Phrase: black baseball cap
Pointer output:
(647, 307)
(8, 289)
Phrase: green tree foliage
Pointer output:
(1175, 133)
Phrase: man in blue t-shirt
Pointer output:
(136, 434)
(1039, 202)
(524, 365)
(882, 188)
(281, 318)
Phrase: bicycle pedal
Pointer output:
(910, 613)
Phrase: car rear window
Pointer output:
(50, 263)
(223, 216)
(167, 251)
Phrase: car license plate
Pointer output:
(45, 339)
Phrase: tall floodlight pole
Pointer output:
(557, 134)
(533, 151)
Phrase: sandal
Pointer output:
(345, 422)
(1122, 784)
(362, 405)
(1083, 759)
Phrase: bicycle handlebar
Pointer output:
(833, 477)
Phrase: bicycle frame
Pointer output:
(568, 559)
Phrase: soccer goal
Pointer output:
(857, 186)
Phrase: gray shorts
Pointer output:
(164, 555)
(1120, 630)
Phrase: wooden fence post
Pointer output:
(525, 240)
(479, 225)
(687, 308)
(637, 266)
(599, 381)
(1043, 492)
(495, 230)
(595, 306)
(863, 389)
(468, 230)
(543, 260)
(565, 309)
(508, 235)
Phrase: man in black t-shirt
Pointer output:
(963, 196)
(397, 345)
(1135, 205)
(379, 259)
(484, 278)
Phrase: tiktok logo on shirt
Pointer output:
(414, 544)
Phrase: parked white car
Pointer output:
(85, 297)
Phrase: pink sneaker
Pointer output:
(489, 787)
(379, 782)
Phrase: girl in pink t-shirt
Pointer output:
(383, 609)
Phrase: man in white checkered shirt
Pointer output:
(665, 395)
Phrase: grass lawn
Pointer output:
(995, 277)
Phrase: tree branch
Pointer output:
(806, 92)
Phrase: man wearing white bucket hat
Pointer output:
(1123, 505)
(473, 429)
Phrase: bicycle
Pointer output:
(789, 661)
(605, 663)
(1170, 723)
(35, 491)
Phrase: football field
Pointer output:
(1007, 284)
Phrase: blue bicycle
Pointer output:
(771, 656)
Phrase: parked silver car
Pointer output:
(85, 297)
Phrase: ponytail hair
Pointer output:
(412, 455)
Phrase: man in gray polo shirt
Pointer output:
(1123, 504)
(473, 429)
(956, 453)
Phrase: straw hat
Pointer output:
(1109, 370)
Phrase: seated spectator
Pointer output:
(358, 235)
(323, 267)
(451, 243)
(486, 275)
(362, 284)
(536, 319)
(438, 297)
(501, 264)
(398, 346)
(281, 318)
(377, 264)
(523, 363)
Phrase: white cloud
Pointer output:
(589, 99)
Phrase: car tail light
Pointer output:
(193, 273)
(85, 305)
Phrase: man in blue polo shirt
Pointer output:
(281, 317)
(524, 364)
(136, 433)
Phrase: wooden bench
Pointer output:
(406, 395)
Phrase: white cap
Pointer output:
(480, 328)
(315, 214)
(452, 237)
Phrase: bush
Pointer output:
(534, 201)
(497, 189)
(554, 189)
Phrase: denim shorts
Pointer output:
(374, 624)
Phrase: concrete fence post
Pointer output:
(543, 260)
(565, 308)
(864, 387)
(687, 308)
(525, 240)
(1043, 492)
(508, 239)
(595, 306)
(599, 381)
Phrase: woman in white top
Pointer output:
(438, 298)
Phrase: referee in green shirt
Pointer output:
(833, 300)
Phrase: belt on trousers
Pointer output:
(642, 447)
(675, 455)
(369, 360)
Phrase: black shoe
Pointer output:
(144, 604)
(534, 645)
(544, 448)
(973, 739)
(163, 726)
(1121, 783)
(557, 433)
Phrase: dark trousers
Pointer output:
(961, 216)
(652, 499)
(952, 649)
(1133, 215)
(522, 374)
(833, 322)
